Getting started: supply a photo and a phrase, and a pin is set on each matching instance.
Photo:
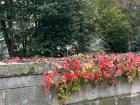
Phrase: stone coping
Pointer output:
(22, 69)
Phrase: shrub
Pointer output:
(68, 77)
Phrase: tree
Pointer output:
(3, 48)
(112, 26)
(131, 8)
(48, 27)
(61, 24)
(6, 22)
(43, 27)
(16, 23)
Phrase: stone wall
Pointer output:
(21, 84)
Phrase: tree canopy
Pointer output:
(51, 27)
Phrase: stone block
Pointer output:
(20, 69)
(25, 96)
(135, 100)
(84, 103)
(20, 82)
(107, 101)
(125, 100)
(136, 86)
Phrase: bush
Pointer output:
(68, 77)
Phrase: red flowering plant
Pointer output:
(24, 60)
(76, 70)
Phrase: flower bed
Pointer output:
(68, 77)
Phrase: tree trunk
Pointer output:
(7, 39)
(24, 43)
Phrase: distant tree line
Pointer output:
(51, 27)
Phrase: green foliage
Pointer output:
(53, 33)
(134, 17)
(61, 24)
(135, 42)
(112, 26)
(68, 88)
(47, 27)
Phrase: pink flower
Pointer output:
(69, 76)
(48, 78)
(106, 74)
(93, 64)
(120, 69)
(77, 73)
(71, 63)
(107, 68)
(88, 76)
(16, 59)
(97, 74)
